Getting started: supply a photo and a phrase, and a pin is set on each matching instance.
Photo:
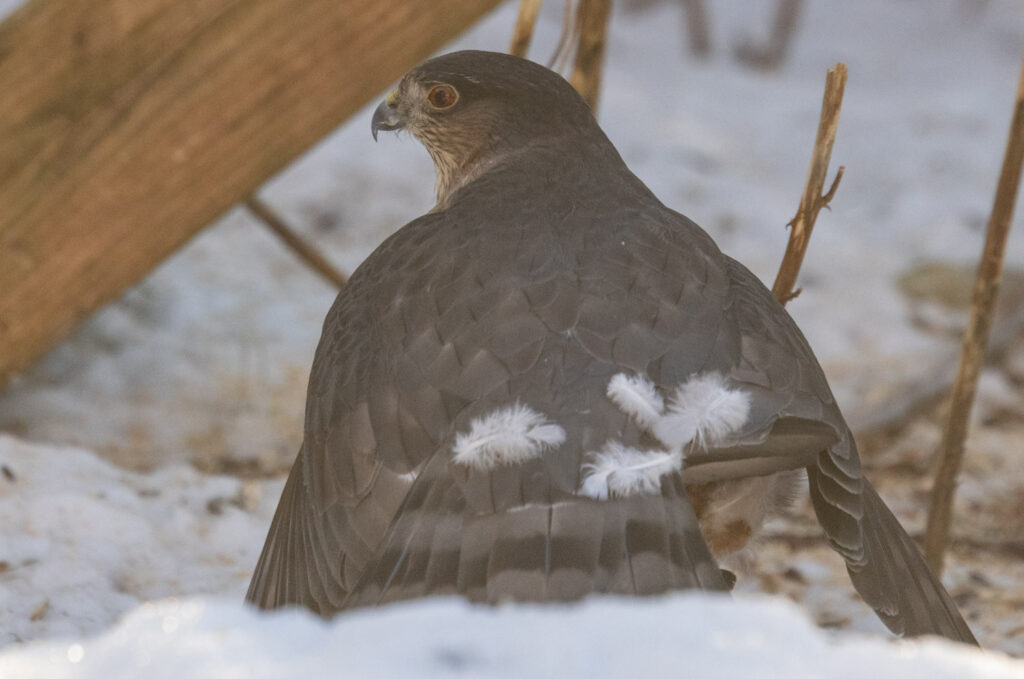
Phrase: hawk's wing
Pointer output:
(884, 564)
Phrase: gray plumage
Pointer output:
(546, 269)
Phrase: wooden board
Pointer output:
(128, 125)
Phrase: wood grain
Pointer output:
(128, 125)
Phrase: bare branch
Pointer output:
(586, 72)
(812, 200)
(791, 296)
(827, 198)
(566, 39)
(307, 252)
(986, 288)
(525, 23)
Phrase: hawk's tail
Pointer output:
(558, 551)
(896, 581)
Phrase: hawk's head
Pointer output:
(470, 109)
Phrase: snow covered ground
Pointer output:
(82, 541)
(142, 458)
(691, 635)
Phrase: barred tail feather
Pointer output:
(560, 551)
(922, 605)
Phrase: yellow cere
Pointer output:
(392, 97)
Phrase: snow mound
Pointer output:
(697, 635)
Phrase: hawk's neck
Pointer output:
(452, 175)
(554, 158)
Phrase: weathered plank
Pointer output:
(128, 125)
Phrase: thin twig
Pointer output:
(586, 72)
(525, 23)
(566, 39)
(813, 200)
(307, 252)
(986, 287)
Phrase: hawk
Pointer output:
(552, 385)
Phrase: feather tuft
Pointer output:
(506, 436)
(620, 471)
(703, 411)
(636, 396)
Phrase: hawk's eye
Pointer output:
(442, 96)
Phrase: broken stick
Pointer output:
(986, 287)
(813, 200)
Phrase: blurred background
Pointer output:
(144, 453)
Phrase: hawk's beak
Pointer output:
(386, 117)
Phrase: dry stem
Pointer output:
(813, 200)
(307, 252)
(586, 72)
(566, 39)
(986, 287)
(525, 23)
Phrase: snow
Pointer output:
(698, 635)
(142, 459)
(82, 541)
